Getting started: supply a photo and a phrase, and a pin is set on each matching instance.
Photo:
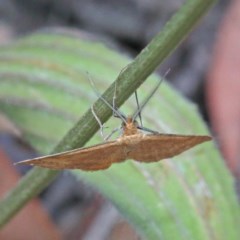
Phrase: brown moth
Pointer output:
(133, 144)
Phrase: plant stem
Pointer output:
(127, 82)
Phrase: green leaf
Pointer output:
(45, 89)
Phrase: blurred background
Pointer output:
(205, 68)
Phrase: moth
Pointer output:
(132, 144)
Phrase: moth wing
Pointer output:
(154, 147)
(93, 158)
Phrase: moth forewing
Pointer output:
(97, 157)
(155, 147)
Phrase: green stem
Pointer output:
(128, 81)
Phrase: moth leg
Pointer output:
(99, 122)
(113, 131)
(138, 109)
(147, 130)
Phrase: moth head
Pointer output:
(130, 126)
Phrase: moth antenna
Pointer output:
(136, 113)
(114, 105)
(138, 107)
(114, 95)
(115, 88)
(117, 112)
